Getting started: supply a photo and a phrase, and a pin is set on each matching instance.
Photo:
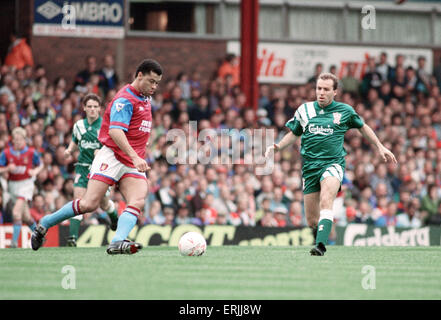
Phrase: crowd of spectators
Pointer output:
(401, 104)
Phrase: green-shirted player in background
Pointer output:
(322, 125)
(85, 139)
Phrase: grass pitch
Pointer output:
(223, 273)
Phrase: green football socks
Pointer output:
(113, 215)
(74, 228)
(324, 226)
(111, 212)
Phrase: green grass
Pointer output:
(223, 273)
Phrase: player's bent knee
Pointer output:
(87, 205)
(105, 203)
(16, 214)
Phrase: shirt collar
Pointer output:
(138, 94)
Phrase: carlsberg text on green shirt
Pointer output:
(323, 129)
(85, 136)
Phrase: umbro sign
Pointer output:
(49, 10)
(79, 18)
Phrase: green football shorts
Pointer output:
(313, 172)
(81, 180)
(81, 173)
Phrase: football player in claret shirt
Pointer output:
(124, 134)
(22, 164)
(322, 125)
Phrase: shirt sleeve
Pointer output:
(355, 121)
(120, 114)
(75, 134)
(36, 159)
(294, 125)
(3, 160)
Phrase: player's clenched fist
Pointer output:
(273, 148)
(140, 164)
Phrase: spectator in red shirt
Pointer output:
(19, 53)
(209, 214)
(295, 214)
(280, 213)
(38, 209)
(268, 219)
(230, 66)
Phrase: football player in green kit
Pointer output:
(85, 139)
(322, 125)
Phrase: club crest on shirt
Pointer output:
(337, 117)
(119, 106)
(104, 167)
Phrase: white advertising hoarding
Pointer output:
(295, 63)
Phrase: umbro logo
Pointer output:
(49, 10)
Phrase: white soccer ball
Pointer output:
(192, 244)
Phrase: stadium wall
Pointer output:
(64, 56)
(220, 235)
(436, 57)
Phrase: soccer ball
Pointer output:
(192, 244)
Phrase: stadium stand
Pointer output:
(402, 105)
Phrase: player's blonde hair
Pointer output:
(329, 76)
(19, 131)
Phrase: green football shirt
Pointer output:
(85, 136)
(323, 129)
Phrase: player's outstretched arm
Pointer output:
(4, 165)
(7, 168)
(119, 137)
(35, 171)
(385, 153)
(286, 140)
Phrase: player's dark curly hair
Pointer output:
(91, 96)
(147, 66)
